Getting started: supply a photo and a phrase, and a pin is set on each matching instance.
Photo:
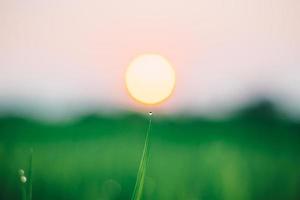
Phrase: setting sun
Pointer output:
(150, 78)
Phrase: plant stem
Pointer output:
(29, 184)
(23, 190)
(139, 185)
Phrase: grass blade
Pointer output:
(139, 185)
(29, 183)
(23, 190)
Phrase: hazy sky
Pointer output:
(67, 55)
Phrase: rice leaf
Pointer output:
(29, 183)
(139, 185)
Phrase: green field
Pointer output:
(254, 154)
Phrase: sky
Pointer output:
(63, 57)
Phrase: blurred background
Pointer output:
(231, 130)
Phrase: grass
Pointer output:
(29, 184)
(139, 185)
(26, 182)
(190, 158)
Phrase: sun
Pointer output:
(150, 78)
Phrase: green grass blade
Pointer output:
(29, 183)
(139, 185)
(23, 190)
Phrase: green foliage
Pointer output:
(139, 185)
(254, 154)
(29, 182)
(26, 181)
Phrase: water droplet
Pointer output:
(150, 113)
(21, 172)
(23, 179)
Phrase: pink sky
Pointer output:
(67, 55)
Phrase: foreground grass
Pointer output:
(26, 180)
(139, 185)
(253, 155)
